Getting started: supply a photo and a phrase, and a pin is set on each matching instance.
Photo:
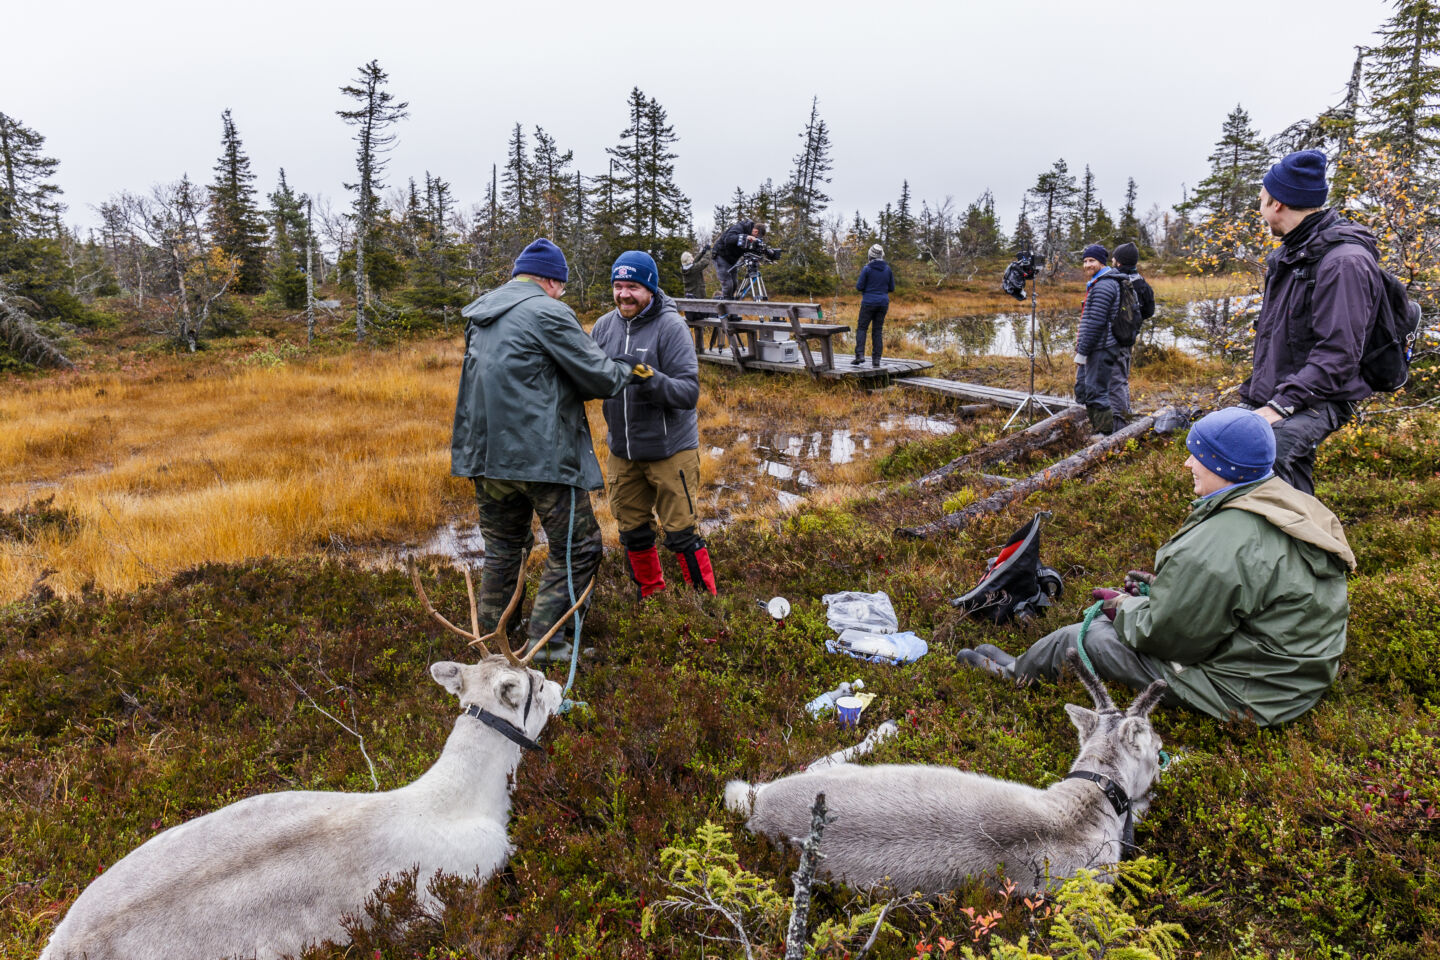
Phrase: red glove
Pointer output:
(1110, 601)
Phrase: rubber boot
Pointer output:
(645, 570)
(1101, 418)
(695, 567)
(993, 652)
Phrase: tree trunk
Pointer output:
(1073, 465)
(309, 274)
(1007, 448)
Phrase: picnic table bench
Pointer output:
(803, 321)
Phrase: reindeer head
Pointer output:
(517, 694)
(1121, 744)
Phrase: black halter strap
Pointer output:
(503, 727)
(1119, 801)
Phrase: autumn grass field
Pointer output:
(173, 462)
(195, 567)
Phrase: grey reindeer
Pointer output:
(271, 874)
(922, 828)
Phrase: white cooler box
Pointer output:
(778, 351)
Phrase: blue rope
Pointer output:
(566, 705)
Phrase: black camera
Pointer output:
(1021, 271)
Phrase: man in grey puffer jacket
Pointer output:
(654, 435)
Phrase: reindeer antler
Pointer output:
(532, 649)
(473, 634)
(1090, 682)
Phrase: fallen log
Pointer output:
(1037, 435)
(1073, 465)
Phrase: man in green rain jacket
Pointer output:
(1246, 611)
(521, 435)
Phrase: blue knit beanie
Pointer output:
(1098, 252)
(542, 259)
(1235, 444)
(636, 266)
(1299, 180)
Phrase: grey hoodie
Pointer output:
(652, 418)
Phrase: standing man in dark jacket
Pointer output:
(875, 283)
(1322, 291)
(654, 436)
(1126, 259)
(522, 437)
(1096, 352)
(740, 238)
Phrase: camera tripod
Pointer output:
(1031, 403)
(753, 286)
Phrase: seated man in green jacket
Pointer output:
(1245, 614)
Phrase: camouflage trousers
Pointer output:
(570, 527)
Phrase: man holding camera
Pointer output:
(654, 437)
(521, 436)
(1097, 353)
(746, 236)
(1322, 293)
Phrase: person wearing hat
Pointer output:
(1245, 614)
(1096, 351)
(875, 283)
(521, 436)
(653, 474)
(1125, 260)
(1322, 291)
(692, 272)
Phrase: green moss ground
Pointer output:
(122, 716)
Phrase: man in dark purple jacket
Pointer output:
(1322, 290)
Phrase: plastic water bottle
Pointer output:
(826, 701)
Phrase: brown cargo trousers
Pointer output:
(664, 489)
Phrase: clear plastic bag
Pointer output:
(853, 610)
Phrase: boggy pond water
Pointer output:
(1008, 334)
(754, 470)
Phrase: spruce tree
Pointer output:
(553, 186)
(1404, 81)
(1237, 166)
(1023, 240)
(289, 224)
(29, 202)
(234, 219)
(375, 112)
(1054, 198)
(1129, 228)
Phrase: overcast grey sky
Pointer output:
(956, 97)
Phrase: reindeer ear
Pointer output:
(510, 690)
(1083, 719)
(447, 674)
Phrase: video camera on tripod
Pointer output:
(1020, 272)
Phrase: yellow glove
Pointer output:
(642, 371)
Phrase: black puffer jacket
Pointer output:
(652, 418)
(736, 241)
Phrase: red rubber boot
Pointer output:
(645, 570)
(695, 568)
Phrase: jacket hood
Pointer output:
(1297, 515)
(489, 307)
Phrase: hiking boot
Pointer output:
(558, 651)
(874, 361)
(972, 658)
(859, 359)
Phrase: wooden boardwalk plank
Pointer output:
(976, 391)
(843, 369)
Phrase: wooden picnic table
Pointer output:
(803, 321)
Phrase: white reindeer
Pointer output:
(269, 875)
(928, 828)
